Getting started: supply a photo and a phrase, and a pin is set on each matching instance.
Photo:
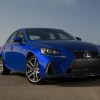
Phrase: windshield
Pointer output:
(48, 34)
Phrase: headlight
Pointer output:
(49, 51)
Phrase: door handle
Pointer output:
(11, 47)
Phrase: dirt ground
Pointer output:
(16, 87)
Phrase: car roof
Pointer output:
(39, 29)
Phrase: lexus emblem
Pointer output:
(87, 55)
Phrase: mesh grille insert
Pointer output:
(80, 55)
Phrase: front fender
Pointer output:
(61, 63)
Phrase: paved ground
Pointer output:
(16, 87)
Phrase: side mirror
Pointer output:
(17, 39)
(78, 38)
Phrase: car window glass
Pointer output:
(12, 37)
(52, 36)
(22, 35)
(45, 34)
(62, 36)
(34, 37)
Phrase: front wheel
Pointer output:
(32, 71)
(3, 69)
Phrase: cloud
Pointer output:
(68, 2)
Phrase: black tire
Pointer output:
(3, 69)
(32, 71)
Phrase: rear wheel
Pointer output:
(32, 71)
(3, 69)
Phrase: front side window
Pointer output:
(12, 37)
(48, 34)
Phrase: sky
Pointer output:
(81, 18)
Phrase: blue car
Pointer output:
(43, 53)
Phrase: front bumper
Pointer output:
(79, 68)
(85, 67)
(67, 65)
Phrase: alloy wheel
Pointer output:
(32, 70)
(1, 65)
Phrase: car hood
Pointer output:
(70, 45)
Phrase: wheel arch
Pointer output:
(0, 55)
(29, 54)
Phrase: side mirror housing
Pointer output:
(78, 38)
(17, 39)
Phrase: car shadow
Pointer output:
(17, 74)
(70, 82)
(77, 82)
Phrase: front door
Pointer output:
(18, 53)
